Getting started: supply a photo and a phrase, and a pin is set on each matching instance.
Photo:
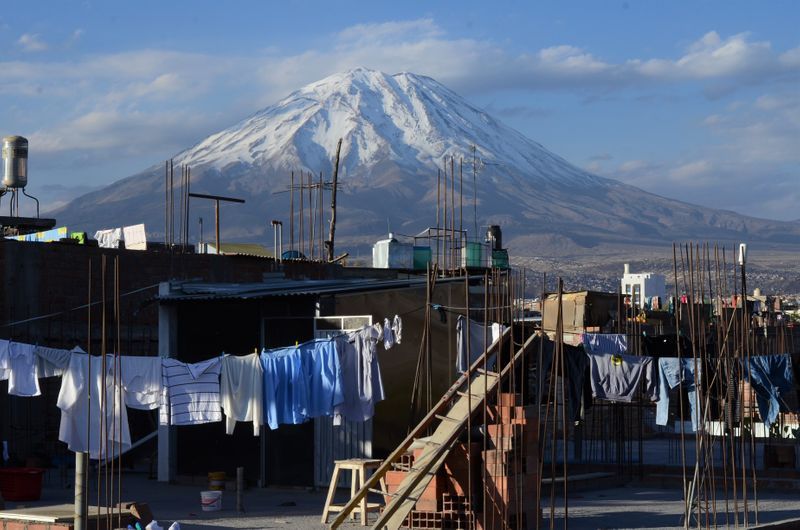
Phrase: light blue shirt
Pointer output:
(324, 377)
(285, 387)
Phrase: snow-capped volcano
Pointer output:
(396, 131)
(406, 119)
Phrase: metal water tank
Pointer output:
(494, 236)
(15, 162)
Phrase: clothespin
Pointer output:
(297, 343)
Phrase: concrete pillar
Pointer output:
(80, 485)
(167, 347)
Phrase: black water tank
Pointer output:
(495, 237)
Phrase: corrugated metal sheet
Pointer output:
(352, 439)
(246, 291)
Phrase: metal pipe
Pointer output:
(216, 224)
(240, 488)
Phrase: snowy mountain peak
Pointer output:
(396, 131)
(408, 120)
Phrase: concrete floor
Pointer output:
(622, 507)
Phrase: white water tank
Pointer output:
(15, 162)
(391, 254)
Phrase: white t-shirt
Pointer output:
(22, 379)
(141, 379)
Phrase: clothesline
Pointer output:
(84, 306)
(337, 377)
(618, 377)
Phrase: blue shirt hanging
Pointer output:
(324, 376)
(285, 387)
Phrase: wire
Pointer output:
(84, 306)
(452, 309)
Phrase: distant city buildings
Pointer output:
(643, 286)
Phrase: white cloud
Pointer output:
(31, 42)
(138, 100)
(764, 131)
(751, 168)
(420, 46)
(634, 166)
(419, 29)
(120, 132)
(691, 172)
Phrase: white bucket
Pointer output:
(211, 501)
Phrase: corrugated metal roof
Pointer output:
(285, 287)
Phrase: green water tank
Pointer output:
(422, 257)
(500, 259)
(473, 256)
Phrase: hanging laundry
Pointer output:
(143, 381)
(619, 377)
(388, 334)
(190, 393)
(605, 343)
(22, 379)
(51, 362)
(285, 387)
(4, 364)
(242, 391)
(89, 385)
(362, 385)
(323, 374)
(109, 238)
(23, 365)
(480, 339)
(672, 372)
(397, 329)
(771, 378)
(576, 371)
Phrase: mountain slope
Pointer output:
(397, 130)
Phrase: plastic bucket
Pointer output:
(211, 501)
(216, 480)
(21, 483)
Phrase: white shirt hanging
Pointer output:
(22, 380)
(397, 329)
(4, 365)
(242, 391)
(98, 426)
(388, 334)
(141, 378)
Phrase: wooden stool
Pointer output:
(358, 476)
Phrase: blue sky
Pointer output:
(698, 100)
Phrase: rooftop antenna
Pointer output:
(332, 234)
(216, 199)
(475, 187)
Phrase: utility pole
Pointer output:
(332, 235)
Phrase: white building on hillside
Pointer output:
(644, 285)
